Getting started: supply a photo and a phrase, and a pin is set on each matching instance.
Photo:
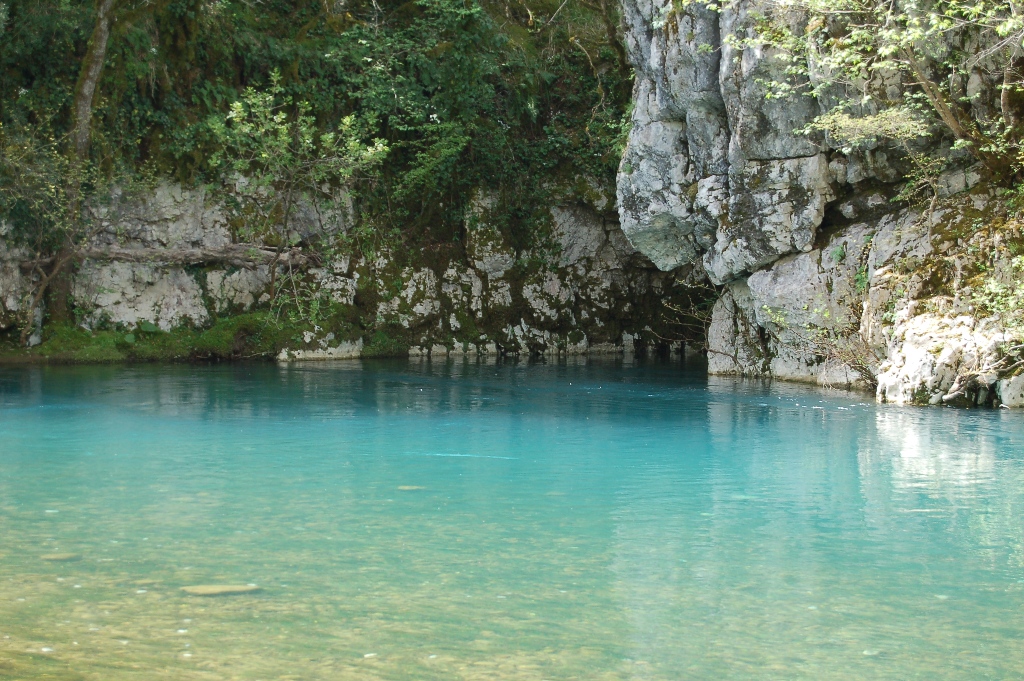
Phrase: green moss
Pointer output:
(255, 335)
(691, 192)
(387, 342)
(468, 330)
(66, 344)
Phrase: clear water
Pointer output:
(583, 521)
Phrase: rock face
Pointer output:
(132, 293)
(900, 299)
(592, 296)
(169, 261)
(821, 278)
(1011, 391)
(13, 283)
(713, 171)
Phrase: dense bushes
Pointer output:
(465, 95)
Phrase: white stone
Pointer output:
(14, 285)
(131, 293)
(547, 296)
(580, 234)
(1011, 391)
(463, 288)
(343, 350)
(241, 288)
(417, 303)
(499, 294)
(170, 217)
(341, 288)
(734, 344)
(488, 251)
(929, 350)
(712, 164)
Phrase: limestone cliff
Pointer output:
(823, 278)
(170, 261)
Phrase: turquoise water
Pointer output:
(428, 521)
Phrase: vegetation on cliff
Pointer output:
(903, 72)
(402, 110)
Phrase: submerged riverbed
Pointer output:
(595, 520)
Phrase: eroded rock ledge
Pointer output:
(170, 262)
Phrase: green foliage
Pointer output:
(35, 180)
(388, 342)
(52, 204)
(299, 115)
(274, 158)
(899, 71)
(258, 335)
(899, 123)
(1004, 298)
(64, 343)
(1014, 198)
(50, 200)
(861, 280)
(463, 94)
(923, 178)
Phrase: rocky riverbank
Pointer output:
(823, 277)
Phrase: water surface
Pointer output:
(595, 520)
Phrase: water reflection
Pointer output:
(582, 519)
(931, 455)
(813, 534)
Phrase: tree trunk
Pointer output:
(89, 78)
(58, 279)
(58, 296)
(962, 129)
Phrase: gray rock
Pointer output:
(14, 285)
(774, 209)
(548, 296)
(1011, 391)
(240, 289)
(713, 170)
(418, 301)
(735, 343)
(131, 293)
(169, 217)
